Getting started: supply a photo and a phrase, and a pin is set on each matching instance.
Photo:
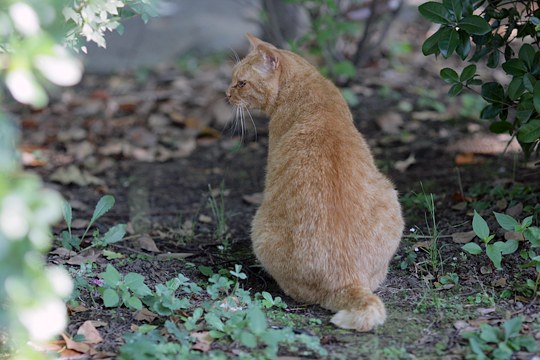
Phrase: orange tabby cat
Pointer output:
(329, 222)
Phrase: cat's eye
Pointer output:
(240, 84)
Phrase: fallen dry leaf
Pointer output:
(73, 175)
(99, 323)
(76, 309)
(500, 282)
(460, 206)
(63, 252)
(32, 156)
(422, 245)
(466, 159)
(463, 237)
(144, 315)
(89, 255)
(402, 165)
(485, 311)
(253, 199)
(78, 346)
(390, 122)
(205, 219)
(501, 204)
(459, 197)
(177, 256)
(485, 270)
(515, 211)
(79, 224)
(90, 333)
(145, 242)
(204, 340)
(512, 235)
(81, 150)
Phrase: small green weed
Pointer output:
(499, 343)
(217, 206)
(494, 251)
(232, 316)
(114, 234)
(127, 290)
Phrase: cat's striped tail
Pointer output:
(360, 309)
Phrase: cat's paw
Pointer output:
(370, 316)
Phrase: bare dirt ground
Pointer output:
(158, 139)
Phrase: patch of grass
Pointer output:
(216, 201)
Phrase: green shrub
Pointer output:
(503, 35)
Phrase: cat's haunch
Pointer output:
(329, 222)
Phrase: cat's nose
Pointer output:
(228, 93)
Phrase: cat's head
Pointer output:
(255, 79)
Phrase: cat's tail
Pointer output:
(359, 309)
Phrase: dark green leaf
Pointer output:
(431, 45)
(134, 303)
(530, 132)
(494, 254)
(533, 235)
(214, 321)
(514, 67)
(506, 221)
(493, 59)
(110, 298)
(489, 334)
(507, 247)
(490, 111)
(536, 96)
(448, 43)
(535, 68)
(111, 276)
(474, 24)
(493, 92)
(457, 8)
(512, 327)
(257, 320)
(508, 52)
(515, 88)
(104, 204)
(449, 75)
(529, 81)
(248, 339)
(455, 89)
(500, 127)
(206, 270)
(66, 212)
(434, 12)
(133, 280)
(468, 73)
(472, 248)
(526, 54)
(480, 226)
(524, 110)
(115, 234)
(464, 46)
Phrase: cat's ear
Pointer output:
(270, 59)
(254, 41)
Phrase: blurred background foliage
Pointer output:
(37, 41)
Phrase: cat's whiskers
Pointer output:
(252, 122)
(242, 122)
(236, 57)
